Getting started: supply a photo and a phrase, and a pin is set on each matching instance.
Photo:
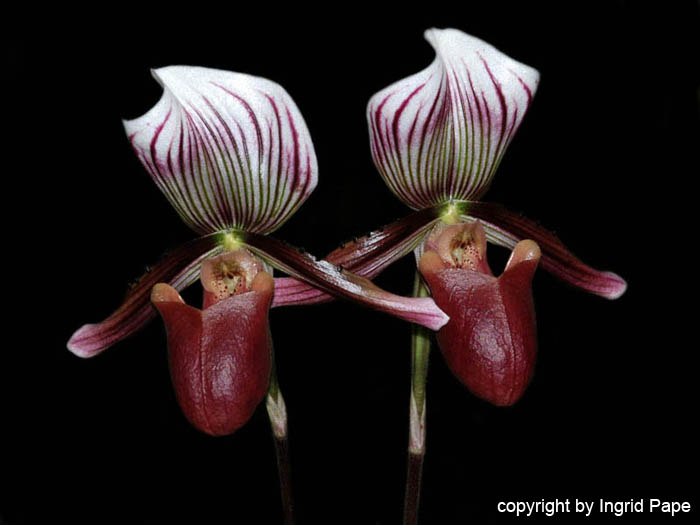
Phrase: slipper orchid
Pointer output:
(437, 138)
(233, 155)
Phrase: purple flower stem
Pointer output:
(277, 413)
(282, 450)
(412, 498)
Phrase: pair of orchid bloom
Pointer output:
(232, 154)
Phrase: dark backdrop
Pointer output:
(606, 157)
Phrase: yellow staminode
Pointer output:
(451, 215)
(231, 242)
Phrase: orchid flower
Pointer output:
(232, 154)
(437, 138)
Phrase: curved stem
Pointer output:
(277, 412)
(420, 351)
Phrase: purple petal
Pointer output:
(366, 256)
(338, 282)
(506, 228)
(228, 150)
(440, 134)
(179, 268)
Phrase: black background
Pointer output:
(606, 157)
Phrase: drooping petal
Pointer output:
(228, 150)
(220, 358)
(506, 228)
(180, 268)
(336, 281)
(490, 342)
(366, 257)
(440, 134)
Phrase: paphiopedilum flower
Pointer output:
(437, 138)
(233, 155)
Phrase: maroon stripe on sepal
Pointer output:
(335, 280)
(507, 228)
(175, 268)
(367, 256)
